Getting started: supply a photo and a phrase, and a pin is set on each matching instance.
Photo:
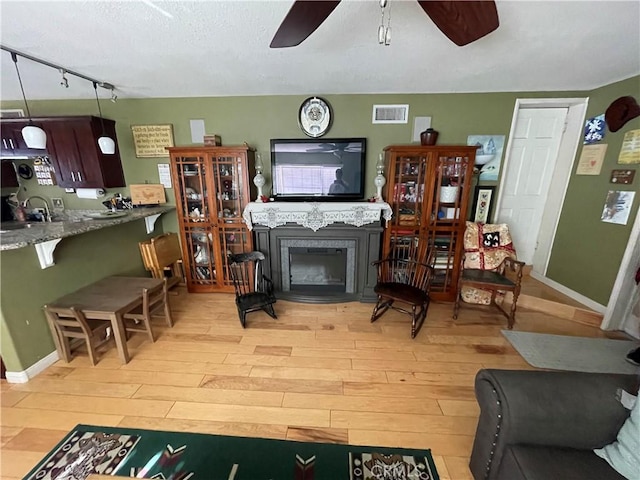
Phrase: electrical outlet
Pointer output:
(57, 203)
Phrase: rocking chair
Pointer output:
(254, 290)
(407, 282)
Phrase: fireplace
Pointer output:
(330, 265)
(318, 266)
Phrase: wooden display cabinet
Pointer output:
(428, 189)
(212, 186)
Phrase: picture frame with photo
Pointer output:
(483, 203)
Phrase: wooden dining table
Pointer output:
(109, 299)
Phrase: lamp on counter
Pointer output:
(34, 137)
(259, 179)
(379, 181)
(106, 144)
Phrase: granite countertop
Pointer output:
(73, 222)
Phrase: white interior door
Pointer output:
(533, 153)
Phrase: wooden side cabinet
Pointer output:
(212, 186)
(428, 189)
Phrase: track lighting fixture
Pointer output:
(34, 137)
(64, 82)
(106, 144)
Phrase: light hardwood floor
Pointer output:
(319, 373)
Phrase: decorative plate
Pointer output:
(106, 215)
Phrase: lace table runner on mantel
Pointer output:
(315, 215)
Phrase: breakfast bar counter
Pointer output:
(75, 222)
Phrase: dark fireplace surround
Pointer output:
(358, 246)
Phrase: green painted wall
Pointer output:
(579, 259)
(587, 252)
(80, 260)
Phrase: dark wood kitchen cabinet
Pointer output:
(13, 144)
(72, 144)
(8, 177)
(72, 147)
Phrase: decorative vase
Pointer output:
(429, 137)
(448, 194)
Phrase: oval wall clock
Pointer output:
(314, 116)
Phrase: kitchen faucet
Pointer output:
(47, 214)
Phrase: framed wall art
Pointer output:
(483, 202)
(151, 140)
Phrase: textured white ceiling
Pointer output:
(221, 48)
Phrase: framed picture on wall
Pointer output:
(483, 202)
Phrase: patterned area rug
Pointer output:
(190, 456)
(576, 354)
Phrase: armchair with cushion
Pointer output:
(489, 269)
(540, 425)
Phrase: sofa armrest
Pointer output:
(563, 409)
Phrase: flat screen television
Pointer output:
(328, 169)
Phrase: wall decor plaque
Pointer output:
(623, 177)
(151, 140)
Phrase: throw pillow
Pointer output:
(624, 454)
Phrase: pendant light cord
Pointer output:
(95, 88)
(14, 57)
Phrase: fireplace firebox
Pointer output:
(330, 265)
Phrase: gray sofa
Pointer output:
(539, 425)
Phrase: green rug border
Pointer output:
(139, 431)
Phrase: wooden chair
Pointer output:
(154, 300)
(162, 254)
(405, 281)
(70, 328)
(254, 290)
(489, 269)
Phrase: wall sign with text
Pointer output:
(151, 140)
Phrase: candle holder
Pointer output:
(379, 181)
(259, 179)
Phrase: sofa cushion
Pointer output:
(529, 462)
(624, 454)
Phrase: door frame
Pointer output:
(571, 139)
(617, 308)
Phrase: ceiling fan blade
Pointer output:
(462, 22)
(302, 20)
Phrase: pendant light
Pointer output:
(34, 137)
(106, 144)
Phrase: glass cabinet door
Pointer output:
(192, 179)
(446, 207)
(408, 190)
(228, 178)
(201, 248)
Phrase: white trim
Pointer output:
(562, 171)
(615, 315)
(587, 302)
(25, 375)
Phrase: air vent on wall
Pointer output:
(11, 113)
(390, 114)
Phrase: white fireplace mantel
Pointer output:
(315, 215)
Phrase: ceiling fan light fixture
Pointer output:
(34, 137)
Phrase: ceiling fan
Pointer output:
(337, 149)
(462, 22)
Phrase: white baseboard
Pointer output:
(33, 370)
(587, 302)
